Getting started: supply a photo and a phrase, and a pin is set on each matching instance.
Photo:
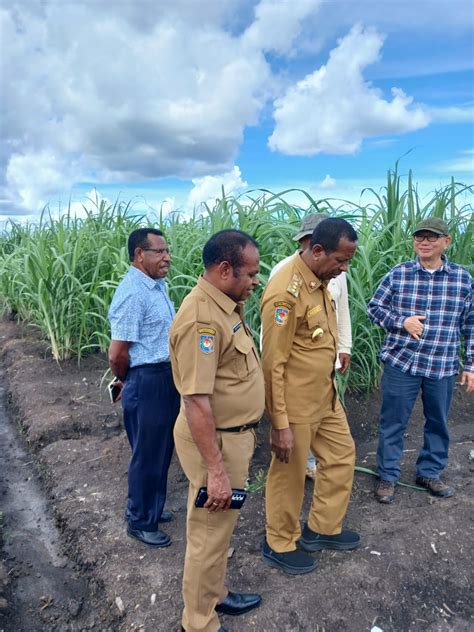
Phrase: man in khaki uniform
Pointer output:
(218, 374)
(299, 352)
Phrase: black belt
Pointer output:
(238, 428)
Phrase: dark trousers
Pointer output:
(150, 406)
(399, 392)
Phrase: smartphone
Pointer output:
(238, 498)
(114, 388)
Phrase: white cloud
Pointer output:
(334, 109)
(133, 94)
(382, 142)
(278, 24)
(140, 92)
(454, 114)
(89, 204)
(462, 164)
(327, 183)
(209, 188)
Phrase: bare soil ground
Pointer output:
(411, 573)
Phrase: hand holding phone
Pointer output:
(115, 390)
(238, 498)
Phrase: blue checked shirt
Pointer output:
(141, 313)
(445, 298)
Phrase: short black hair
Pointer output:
(226, 245)
(139, 239)
(329, 232)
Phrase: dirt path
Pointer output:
(412, 572)
(45, 590)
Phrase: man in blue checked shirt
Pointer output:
(425, 305)
(140, 317)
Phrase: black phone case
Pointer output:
(238, 498)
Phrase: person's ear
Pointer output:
(225, 270)
(317, 251)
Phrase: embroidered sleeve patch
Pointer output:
(281, 315)
(206, 343)
(207, 330)
(286, 304)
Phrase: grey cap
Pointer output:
(308, 224)
(434, 225)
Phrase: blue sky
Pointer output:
(164, 101)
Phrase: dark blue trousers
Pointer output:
(150, 406)
(399, 392)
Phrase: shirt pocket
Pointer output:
(245, 362)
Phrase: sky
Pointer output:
(163, 102)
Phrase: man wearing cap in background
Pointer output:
(338, 289)
(425, 305)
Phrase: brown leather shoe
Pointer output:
(385, 492)
(435, 486)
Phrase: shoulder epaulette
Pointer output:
(203, 312)
(295, 285)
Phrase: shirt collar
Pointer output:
(311, 280)
(225, 302)
(145, 279)
(444, 267)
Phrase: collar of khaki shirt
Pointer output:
(312, 282)
(225, 302)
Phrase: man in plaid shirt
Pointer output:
(425, 305)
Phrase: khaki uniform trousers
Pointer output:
(208, 534)
(331, 442)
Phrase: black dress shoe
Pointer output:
(312, 541)
(291, 562)
(157, 539)
(166, 516)
(238, 603)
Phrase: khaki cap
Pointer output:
(308, 224)
(434, 225)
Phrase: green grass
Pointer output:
(60, 274)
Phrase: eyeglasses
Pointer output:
(159, 251)
(431, 238)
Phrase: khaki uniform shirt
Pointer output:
(212, 353)
(299, 345)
